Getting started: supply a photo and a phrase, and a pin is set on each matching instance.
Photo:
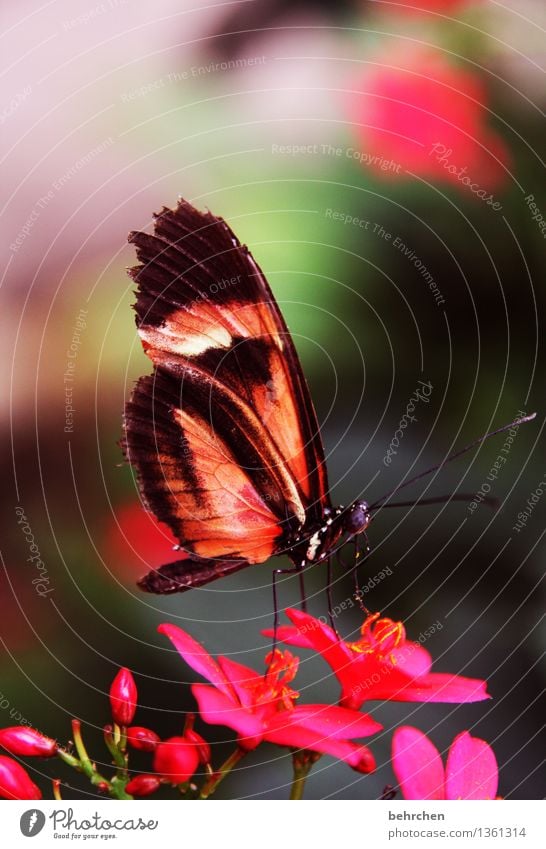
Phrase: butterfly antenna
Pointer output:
(379, 502)
(490, 500)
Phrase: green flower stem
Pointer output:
(298, 782)
(116, 787)
(57, 789)
(85, 761)
(123, 739)
(302, 762)
(117, 756)
(217, 777)
(69, 759)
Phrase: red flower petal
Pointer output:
(241, 678)
(436, 687)
(217, 709)
(321, 638)
(335, 722)
(197, 657)
(417, 765)
(283, 732)
(471, 771)
(289, 635)
(412, 659)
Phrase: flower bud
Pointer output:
(123, 697)
(143, 785)
(143, 739)
(15, 781)
(21, 740)
(176, 760)
(203, 748)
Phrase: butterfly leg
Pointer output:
(296, 570)
(329, 583)
(361, 554)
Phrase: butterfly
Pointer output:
(223, 434)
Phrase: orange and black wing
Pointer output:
(223, 434)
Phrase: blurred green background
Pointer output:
(115, 110)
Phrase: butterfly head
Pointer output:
(356, 518)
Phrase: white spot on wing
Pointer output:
(185, 344)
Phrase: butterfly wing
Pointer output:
(223, 435)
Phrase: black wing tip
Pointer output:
(183, 575)
(182, 210)
(166, 580)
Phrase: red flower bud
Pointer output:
(143, 785)
(15, 781)
(123, 697)
(20, 740)
(143, 739)
(176, 760)
(203, 748)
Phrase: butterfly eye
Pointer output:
(357, 519)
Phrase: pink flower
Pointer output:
(123, 697)
(382, 664)
(262, 707)
(176, 759)
(471, 771)
(430, 117)
(21, 740)
(15, 782)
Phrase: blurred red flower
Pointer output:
(441, 6)
(135, 541)
(428, 116)
(471, 771)
(262, 707)
(382, 664)
(15, 782)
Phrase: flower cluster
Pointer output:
(265, 707)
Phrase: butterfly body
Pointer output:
(312, 545)
(223, 434)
